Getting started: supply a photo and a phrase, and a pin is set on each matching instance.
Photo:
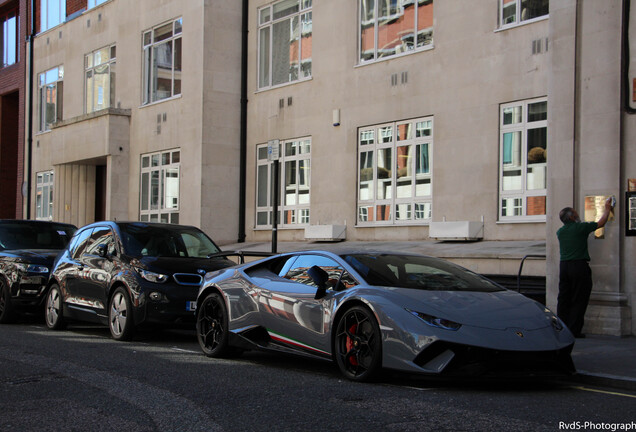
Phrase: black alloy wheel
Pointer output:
(120, 315)
(212, 326)
(358, 343)
(7, 314)
(53, 308)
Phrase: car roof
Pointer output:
(34, 222)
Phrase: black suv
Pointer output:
(27, 251)
(128, 273)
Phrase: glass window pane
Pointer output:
(422, 171)
(535, 205)
(404, 172)
(263, 57)
(537, 159)
(304, 176)
(425, 23)
(177, 66)
(163, 32)
(306, 29)
(290, 183)
(512, 115)
(383, 212)
(404, 131)
(402, 212)
(162, 71)
(154, 190)
(423, 129)
(384, 164)
(367, 137)
(387, 40)
(538, 111)
(178, 26)
(367, 30)
(533, 8)
(511, 161)
(385, 134)
(509, 12)
(261, 185)
(365, 191)
(264, 15)
(155, 160)
(290, 148)
(285, 48)
(285, 8)
(102, 56)
(145, 179)
(171, 188)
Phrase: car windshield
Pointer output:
(34, 235)
(417, 272)
(175, 241)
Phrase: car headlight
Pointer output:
(436, 321)
(32, 268)
(152, 276)
(556, 323)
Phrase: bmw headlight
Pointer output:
(152, 276)
(434, 321)
(32, 268)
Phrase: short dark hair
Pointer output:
(566, 214)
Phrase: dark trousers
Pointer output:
(575, 286)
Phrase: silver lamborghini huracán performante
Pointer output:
(368, 311)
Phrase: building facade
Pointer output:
(389, 118)
(137, 108)
(14, 21)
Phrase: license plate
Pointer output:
(191, 306)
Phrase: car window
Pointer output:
(34, 235)
(418, 272)
(79, 243)
(166, 241)
(298, 271)
(100, 236)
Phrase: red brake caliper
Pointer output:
(349, 344)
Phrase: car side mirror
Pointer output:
(320, 278)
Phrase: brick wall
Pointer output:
(12, 92)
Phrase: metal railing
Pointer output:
(523, 260)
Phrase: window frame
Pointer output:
(520, 196)
(417, 205)
(45, 183)
(159, 212)
(299, 213)
(10, 30)
(517, 21)
(90, 67)
(267, 21)
(364, 20)
(46, 81)
(149, 44)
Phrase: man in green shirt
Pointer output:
(575, 275)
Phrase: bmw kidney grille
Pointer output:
(188, 279)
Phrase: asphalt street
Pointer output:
(81, 380)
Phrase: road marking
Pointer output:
(184, 350)
(604, 392)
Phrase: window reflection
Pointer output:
(284, 42)
(391, 27)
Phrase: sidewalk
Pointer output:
(599, 360)
(606, 361)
